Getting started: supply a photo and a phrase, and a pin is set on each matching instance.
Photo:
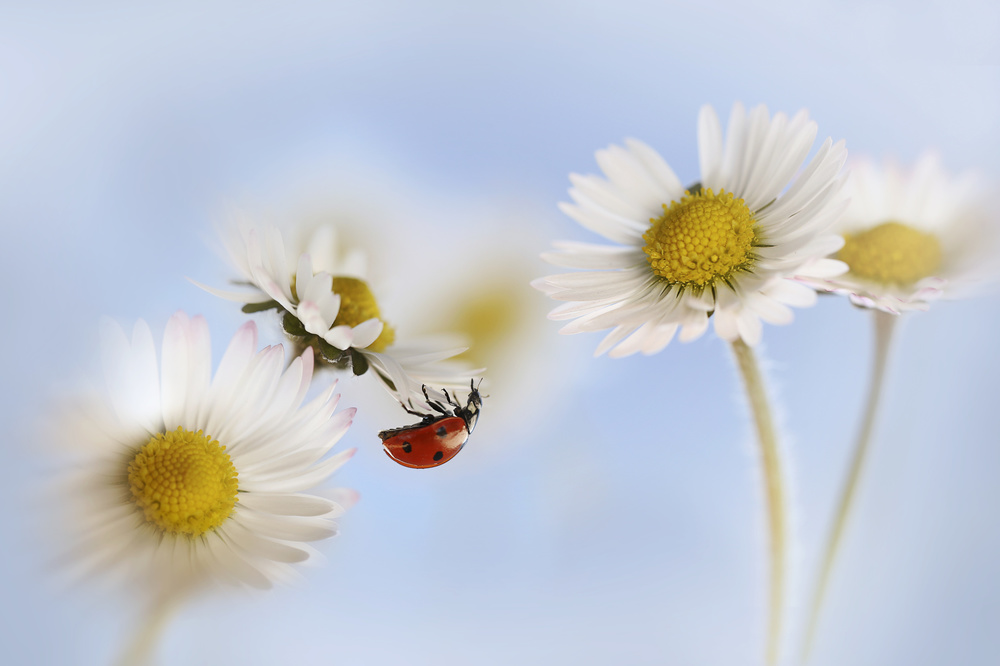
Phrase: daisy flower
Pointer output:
(327, 304)
(729, 246)
(726, 247)
(181, 477)
(501, 318)
(910, 237)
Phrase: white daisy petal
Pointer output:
(618, 334)
(288, 528)
(631, 178)
(231, 558)
(659, 339)
(176, 370)
(388, 368)
(317, 287)
(709, 145)
(589, 256)
(287, 504)
(345, 498)
(615, 228)
(238, 296)
(791, 293)
(725, 325)
(632, 344)
(732, 154)
(694, 329)
(658, 169)
(751, 153)
(822, 268)
(329, 307)
(341, 337)
(788, 157)
(304, 275)
(367, 332)
(597, 285)
(310, 314)
(603, 197)
(770, 310)
(290, 482)
(749, 326)
(818, 174)
(247, 540)
(131, 373)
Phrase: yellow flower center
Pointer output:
(487, 319)
(184, 482)
(892, 253)
(357, 305)
(700, 239)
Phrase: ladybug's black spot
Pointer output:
(407, 447)
(442, 431)
(438, 455)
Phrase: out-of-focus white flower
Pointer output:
(912, 237)
(180, 477)
(726, 247)
(502, 319)
(328, 305)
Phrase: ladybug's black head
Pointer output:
(471, 410)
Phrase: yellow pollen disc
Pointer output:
(891, 253)
(700, 239)
(487, 320)
(357, 305)
(184, 482)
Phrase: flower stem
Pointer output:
(884, 328)
(139, 651)
(774, 490)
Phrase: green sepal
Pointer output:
(385, 380)
(293, 326)
(251, 308)
(359, 364)
(330, 353)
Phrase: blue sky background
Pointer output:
(605, 511)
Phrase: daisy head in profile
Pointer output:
(181, 476)
(912, 236)
(724, 248)
(322, 291)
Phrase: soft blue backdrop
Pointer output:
(619, 521)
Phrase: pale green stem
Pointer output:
(140, 649)
(774, 491)
(884, 328)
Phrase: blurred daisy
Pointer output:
(725, 247)
(910, 237)
(503, 320)
(327, 305)
(183, 478)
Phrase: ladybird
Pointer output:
(439, 435)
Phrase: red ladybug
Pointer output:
(438, 437)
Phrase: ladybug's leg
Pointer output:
(412, 411)
(434, 403)
(409, 409)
